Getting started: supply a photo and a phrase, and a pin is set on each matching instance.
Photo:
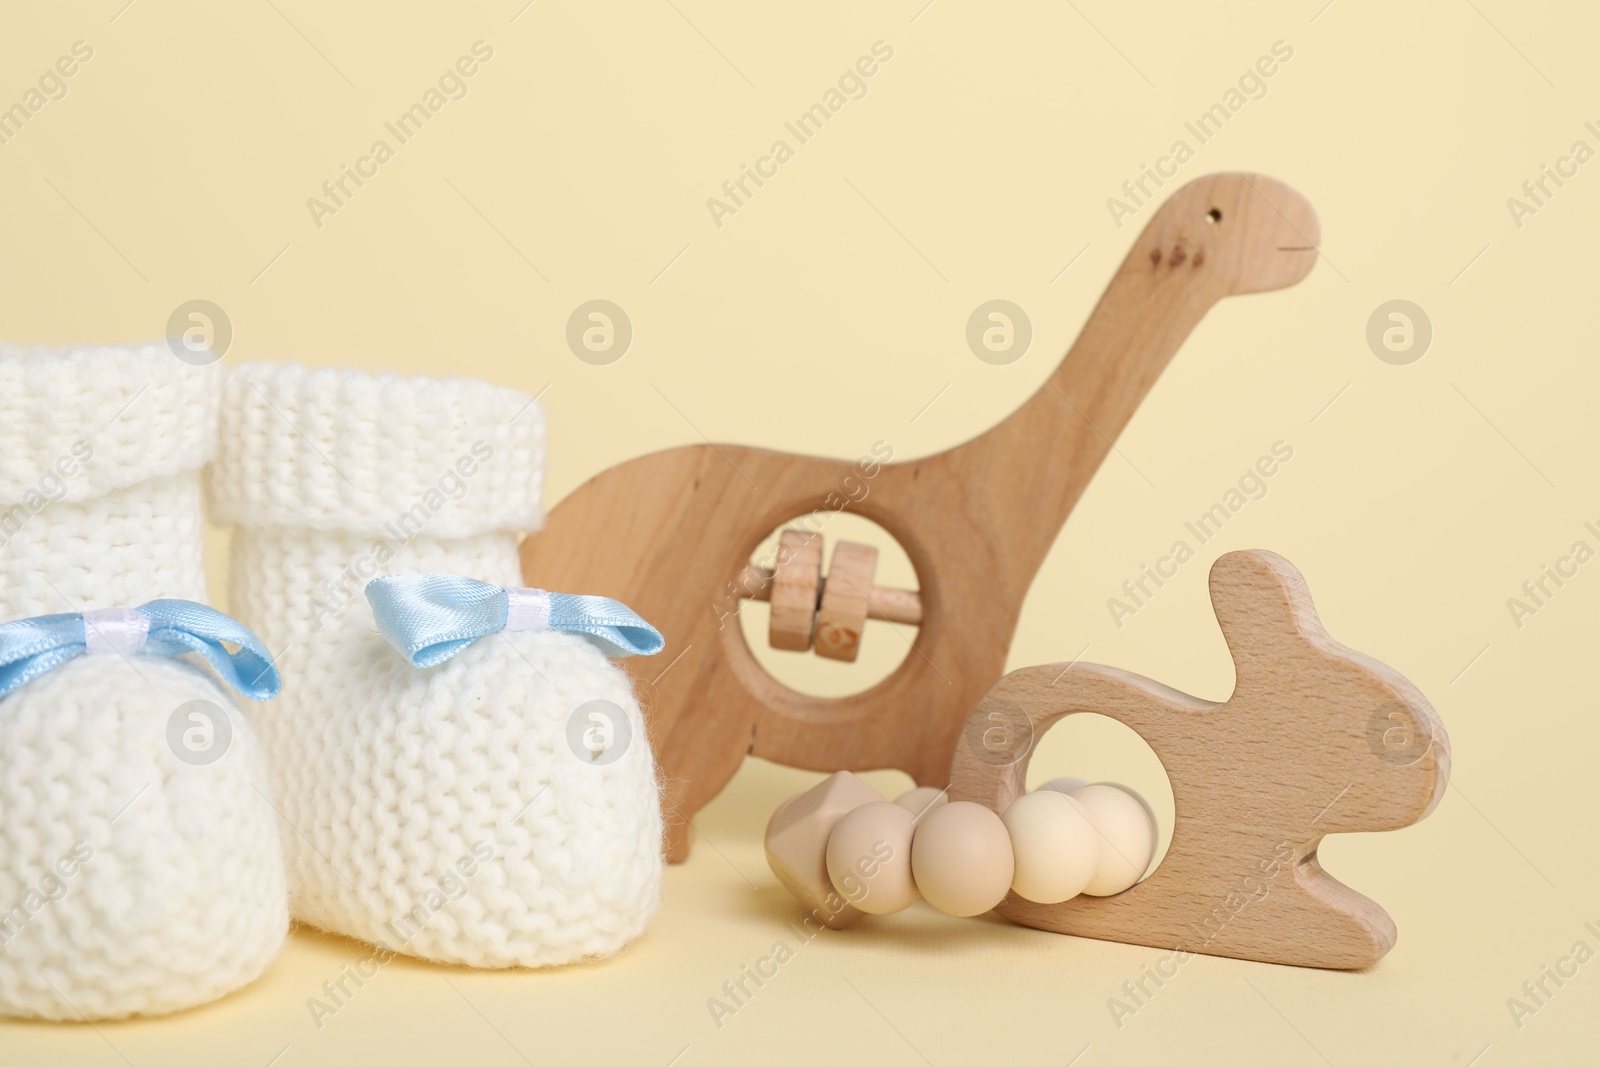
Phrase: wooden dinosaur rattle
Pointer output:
(1316, 739)
(670, 534)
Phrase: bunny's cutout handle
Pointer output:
(1316, 739)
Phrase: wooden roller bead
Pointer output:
(793, 590)
(805, 600)
(845, 600)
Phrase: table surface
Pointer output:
(917, 987)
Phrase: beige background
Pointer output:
(829, 313)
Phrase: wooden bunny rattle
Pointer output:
(1316, 739)
(670, 534)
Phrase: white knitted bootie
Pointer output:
(444, 812)
(140, 866)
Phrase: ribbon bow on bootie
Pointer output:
(431, 617)
(31, 647)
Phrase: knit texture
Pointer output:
(439, 812)
(116, 550)
(333, 449)
(131, 881)
(142, 418)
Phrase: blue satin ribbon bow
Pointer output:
(31, 647)
(431, 617)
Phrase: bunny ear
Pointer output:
(1265, 611)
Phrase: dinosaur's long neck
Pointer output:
(1039, 460)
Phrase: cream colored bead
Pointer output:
(1068, 784)
(1056, 846)
(922, 799)
(961, 858)
(1123, 819)
(869, 858)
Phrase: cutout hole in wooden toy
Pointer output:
(884, 645)
(1098, 748)
(1213, 216)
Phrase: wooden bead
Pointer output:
(1123, 820)
(795, 578)
(846, 596)
(1056, 846)
(869, 858)
(797, 844)
(961, 858)
(922, 799)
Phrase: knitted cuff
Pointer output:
(79, 422)
(372, 454)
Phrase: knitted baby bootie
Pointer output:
(454, 812)
(140, 866)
